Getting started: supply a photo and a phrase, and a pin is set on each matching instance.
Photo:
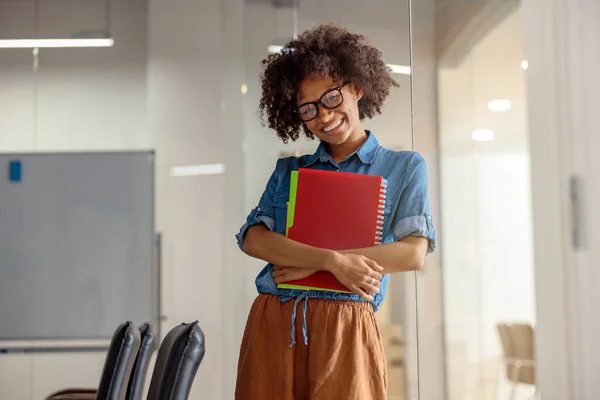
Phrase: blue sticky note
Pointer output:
(15, 171)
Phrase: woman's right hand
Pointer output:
(358, 273)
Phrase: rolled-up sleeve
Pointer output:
(264, 213)
(413, 217)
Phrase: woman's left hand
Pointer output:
(284, 274)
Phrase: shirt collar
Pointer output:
(366, 152)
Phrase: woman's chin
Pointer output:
(336, 139)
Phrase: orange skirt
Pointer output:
(343, 356)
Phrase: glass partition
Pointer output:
(485, 193)
(56, 98)
(268, 25)
(184, 81)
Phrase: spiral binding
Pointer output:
(380, 221)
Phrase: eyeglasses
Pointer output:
(331, 99)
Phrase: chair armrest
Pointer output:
(74, 394)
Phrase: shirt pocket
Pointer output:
(387, 217)
(387, 208)
(280, 206)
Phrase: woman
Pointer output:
(325, 83)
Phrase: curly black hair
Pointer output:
(329, 51)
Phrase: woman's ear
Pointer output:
(358, 92)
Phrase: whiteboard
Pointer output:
(76, 244)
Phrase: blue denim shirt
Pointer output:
(406, 211)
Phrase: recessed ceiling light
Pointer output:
(399, 69)
(244, 89)
(274, 49)
(483, 135)
(499, 105)
(44, 43)
(524, 64)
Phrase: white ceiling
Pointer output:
(382, 13)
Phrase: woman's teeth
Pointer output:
(333, 126)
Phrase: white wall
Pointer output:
(563, 52)
(194, 108)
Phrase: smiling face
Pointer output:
(335, 126)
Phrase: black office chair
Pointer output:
(179, 357)
(140, 368)
(118, 365)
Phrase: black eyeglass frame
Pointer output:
(320, 101)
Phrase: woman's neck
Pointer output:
(341, 151)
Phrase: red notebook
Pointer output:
(336, 211)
